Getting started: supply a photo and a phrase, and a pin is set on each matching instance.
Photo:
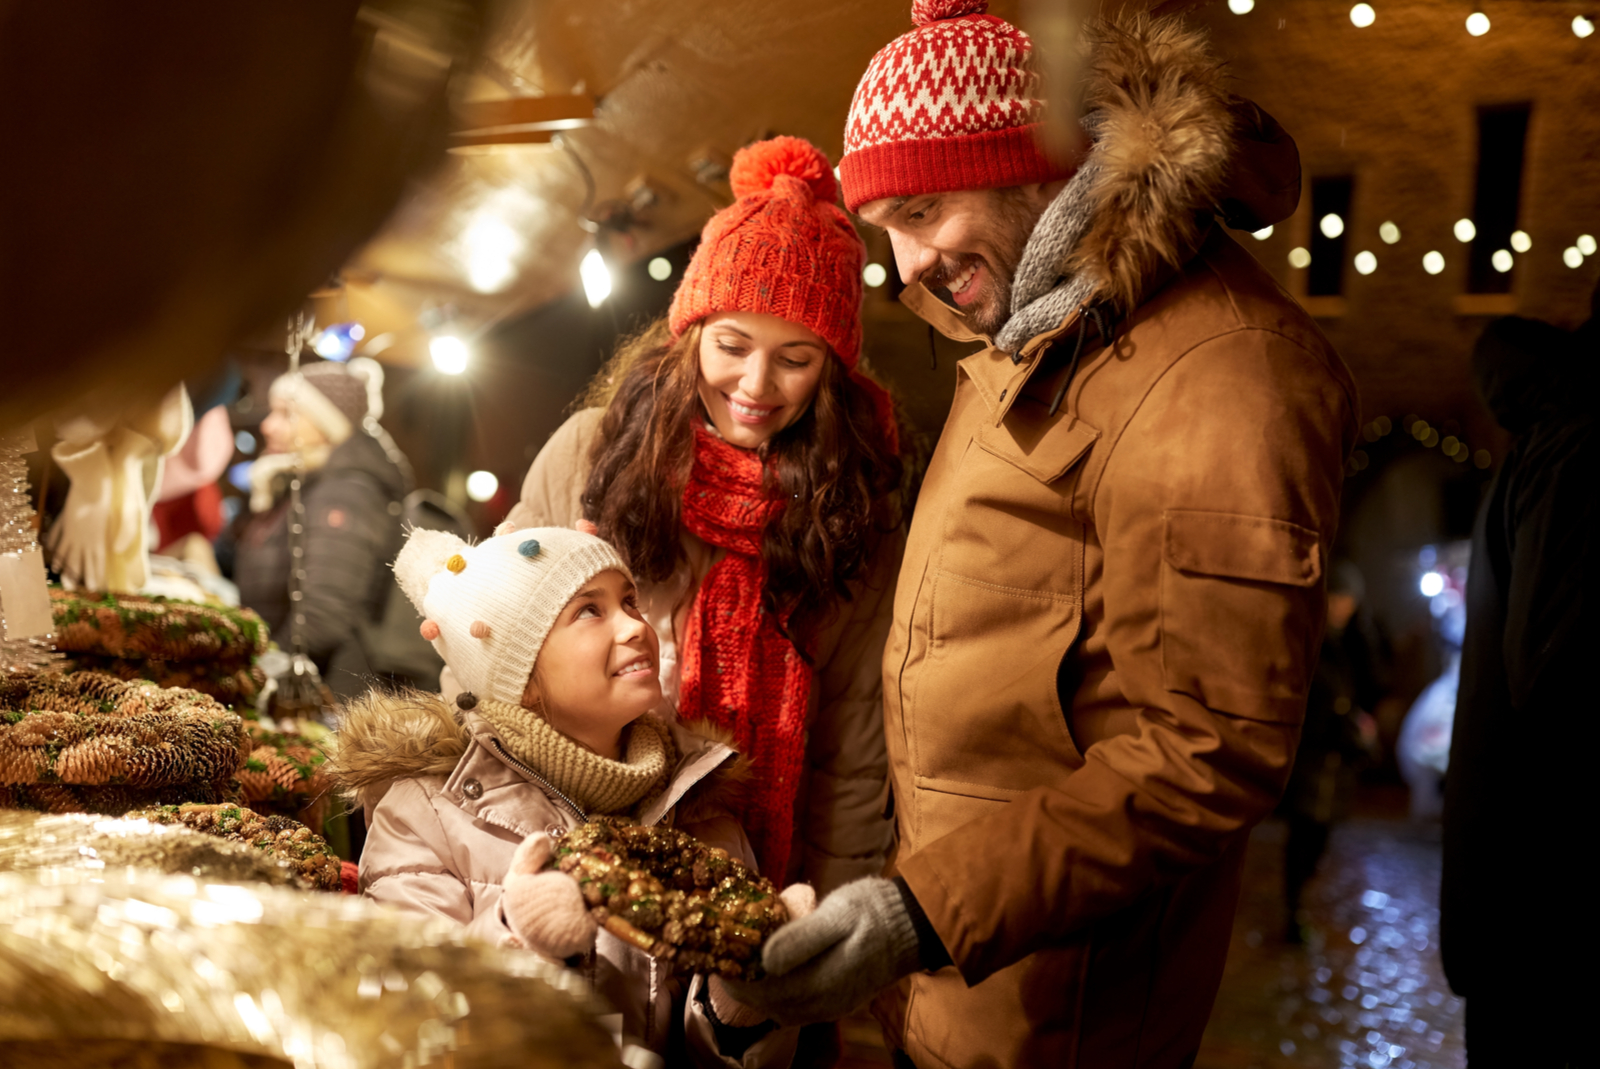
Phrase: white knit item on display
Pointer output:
(517, 590)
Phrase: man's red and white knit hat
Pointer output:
(952, 104)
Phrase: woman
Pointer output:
(324, 422)
(746, 471)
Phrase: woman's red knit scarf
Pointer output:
(738, 670)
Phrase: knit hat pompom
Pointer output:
(756, 168)
(926, 11)
(421, 558)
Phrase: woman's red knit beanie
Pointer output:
(783, 247)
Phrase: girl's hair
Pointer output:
(833, 466)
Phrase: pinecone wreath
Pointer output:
(209, 648)
(89, 742)
(672, 896)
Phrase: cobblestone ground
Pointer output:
(1366, 989)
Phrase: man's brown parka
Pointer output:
(1107, 617)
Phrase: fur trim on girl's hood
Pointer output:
(386, 736)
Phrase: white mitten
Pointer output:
(77, 540)
(800, 899)
(545, 909)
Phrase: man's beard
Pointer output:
(1013, 219)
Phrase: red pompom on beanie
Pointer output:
(952, 104)
(783, 247)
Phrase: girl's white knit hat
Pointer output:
(493, 603)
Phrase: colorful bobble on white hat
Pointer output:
(457, 564)
(479, 629)
(529, 549)
(429, 629)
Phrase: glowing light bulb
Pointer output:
(1331, 225)
(1299, 257)
(1520, 241)
(660, 268)
(1432, 584)
(1365, 262)
(1502, 260)
(596, 278)
(1585, 244)
(1363, 15)
(1465, 231)
(1241, 7)
(1572, 256)
(1263, 234)
(1433, 262)
(1581, 26)
(1389, 233)
(1477, 24)
(449, 354)
(481, 485)
(874, 275)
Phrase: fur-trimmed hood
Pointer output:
(386, 736)
(1175, 148)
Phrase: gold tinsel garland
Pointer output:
(90, 742)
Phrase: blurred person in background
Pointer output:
(1512, 897)
(324, 423)
(1339, 738)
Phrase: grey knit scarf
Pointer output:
(1041, 296)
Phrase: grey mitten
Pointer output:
(819, 968)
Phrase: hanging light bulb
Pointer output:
(449, 354)
(596, 278)
(1363, 16)
(1477, 24)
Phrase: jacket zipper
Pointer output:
(546, 784)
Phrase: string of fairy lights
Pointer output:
(1434, 262)
(1425, 434)
(1476, 23)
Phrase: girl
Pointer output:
(746, 470)
(542, 628)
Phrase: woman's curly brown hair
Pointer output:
(834, 466)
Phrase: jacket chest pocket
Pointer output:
(1008, 519)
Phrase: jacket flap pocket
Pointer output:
(1242, 547)
(1045, 451)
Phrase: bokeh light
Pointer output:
(1502, 260)
(481, 485)
(1433, 262)
(1581, 26)
(1477, 24)
(660, 268)
(1242, 7)
(874, 275)
(1263, 234)
(1366, 262)
(449, 354)
(1520, 241)
(1363, 15)
(1572, 256)
(1586, 244)
(1299, 257)
(1464, 230)
(1389, 233)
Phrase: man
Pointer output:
(1525, 702)
(1111, 601)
